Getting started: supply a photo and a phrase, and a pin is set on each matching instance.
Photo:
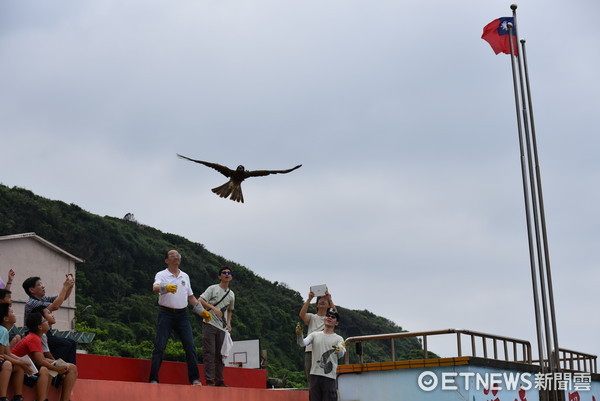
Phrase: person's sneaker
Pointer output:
(153, 382)
(221, 384)
(210, 383)
(196, 383)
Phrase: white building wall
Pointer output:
(31, 256)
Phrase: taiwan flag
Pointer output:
(496, 34)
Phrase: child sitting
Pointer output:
(32, 345)
(19, 368)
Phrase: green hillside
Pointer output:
(121, 258)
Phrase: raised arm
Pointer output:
(303, 342)
(62, 295)
(328, 295)
(70, 289)
(11, 276)
(304, 309)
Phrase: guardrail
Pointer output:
(489, 345)
(514, 350)
(578, 361)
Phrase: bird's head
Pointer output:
(240, 168)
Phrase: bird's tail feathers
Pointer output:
(224, 190)
(237, 194)
(229, 188)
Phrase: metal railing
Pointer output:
(490, 346)
(514, 350)
(578, 361)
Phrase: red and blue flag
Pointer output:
(496, 34)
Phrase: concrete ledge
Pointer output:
(103, 390)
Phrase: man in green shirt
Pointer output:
(219, 300)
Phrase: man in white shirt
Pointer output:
(327, 348)
(175, 292)
(315, 322)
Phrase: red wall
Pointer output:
(100, 367)
(104, 378)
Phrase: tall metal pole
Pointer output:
(555, 356)
(526, 200)
(534, 203)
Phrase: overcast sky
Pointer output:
(409, 202)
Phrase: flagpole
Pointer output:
(534, 198)
(526, 200)
(555, 356)
(549, 357)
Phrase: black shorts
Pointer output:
(30, 381)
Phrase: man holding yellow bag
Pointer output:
(175, 292)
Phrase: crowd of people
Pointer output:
(38, 359)
(215, 305)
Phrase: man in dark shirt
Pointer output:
(64, 348)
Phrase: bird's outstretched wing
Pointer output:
(221, 169)
(260, 173)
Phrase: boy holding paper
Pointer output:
(69, 380)
(31, 345)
